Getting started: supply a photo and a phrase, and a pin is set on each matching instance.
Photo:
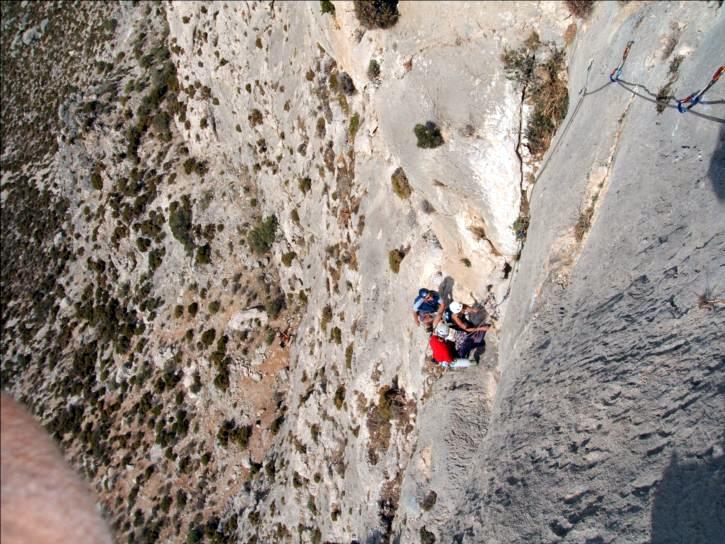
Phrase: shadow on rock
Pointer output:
(717, 166)
(689, 504)
(445, 289)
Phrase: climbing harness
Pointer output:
(617, 72)
(688, 102)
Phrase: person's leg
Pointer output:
(460, 363)
(467, 342)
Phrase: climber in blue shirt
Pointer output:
(427, 308)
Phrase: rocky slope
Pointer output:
(214, 321)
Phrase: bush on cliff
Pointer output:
(429, 135)
(261, 237)
(377, 13)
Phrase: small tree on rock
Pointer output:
(377, 13)
(429, 135)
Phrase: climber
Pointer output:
(427, 308)
(461, 315)
(443, 352)
(463, 342)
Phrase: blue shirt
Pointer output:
(423, 306)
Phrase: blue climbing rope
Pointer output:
(683, 104)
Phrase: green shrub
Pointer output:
(395, 257)
(203, 254)
(196, 534)
(255, 118)
(518, 64)
(274, 306)
(400, 184)
(305, 184)
(377, 13)
(180, 218)
(354, 125)
(193, 308)
(221, 380)
(178, 311)
(196, 386)
(277, 424)
(143, 244)
(336, 335)
(426, 536)
(374, 70)
(347, 85)
(207, 337)
(261, 237)
(214, 307)
(521, 227)
(340, 397)
(193, 165)
(155, 257)
(348, 356)
(327, 7)
(96, 180)
(326, 317)
(288, 257)
(230, 432)
(428, 135)
(162, 123)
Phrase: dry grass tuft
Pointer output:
(580, 8)
(583, 224)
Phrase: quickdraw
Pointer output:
(695, 97)
(617, 72)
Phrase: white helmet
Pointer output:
(456, 307)
(442, 330)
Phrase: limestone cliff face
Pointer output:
(600, 389)
(607, 420)
(356, 350)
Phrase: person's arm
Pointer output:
(415, 318)
(462, 324)
(439, 314)
(482, 328)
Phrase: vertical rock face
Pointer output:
(243, 213)
(607, 424)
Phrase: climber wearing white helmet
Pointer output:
(458, 314)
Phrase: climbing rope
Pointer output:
(684, 104)
(617, 72)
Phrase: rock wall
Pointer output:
(607, 421)
(358, 368)
(277, 380)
